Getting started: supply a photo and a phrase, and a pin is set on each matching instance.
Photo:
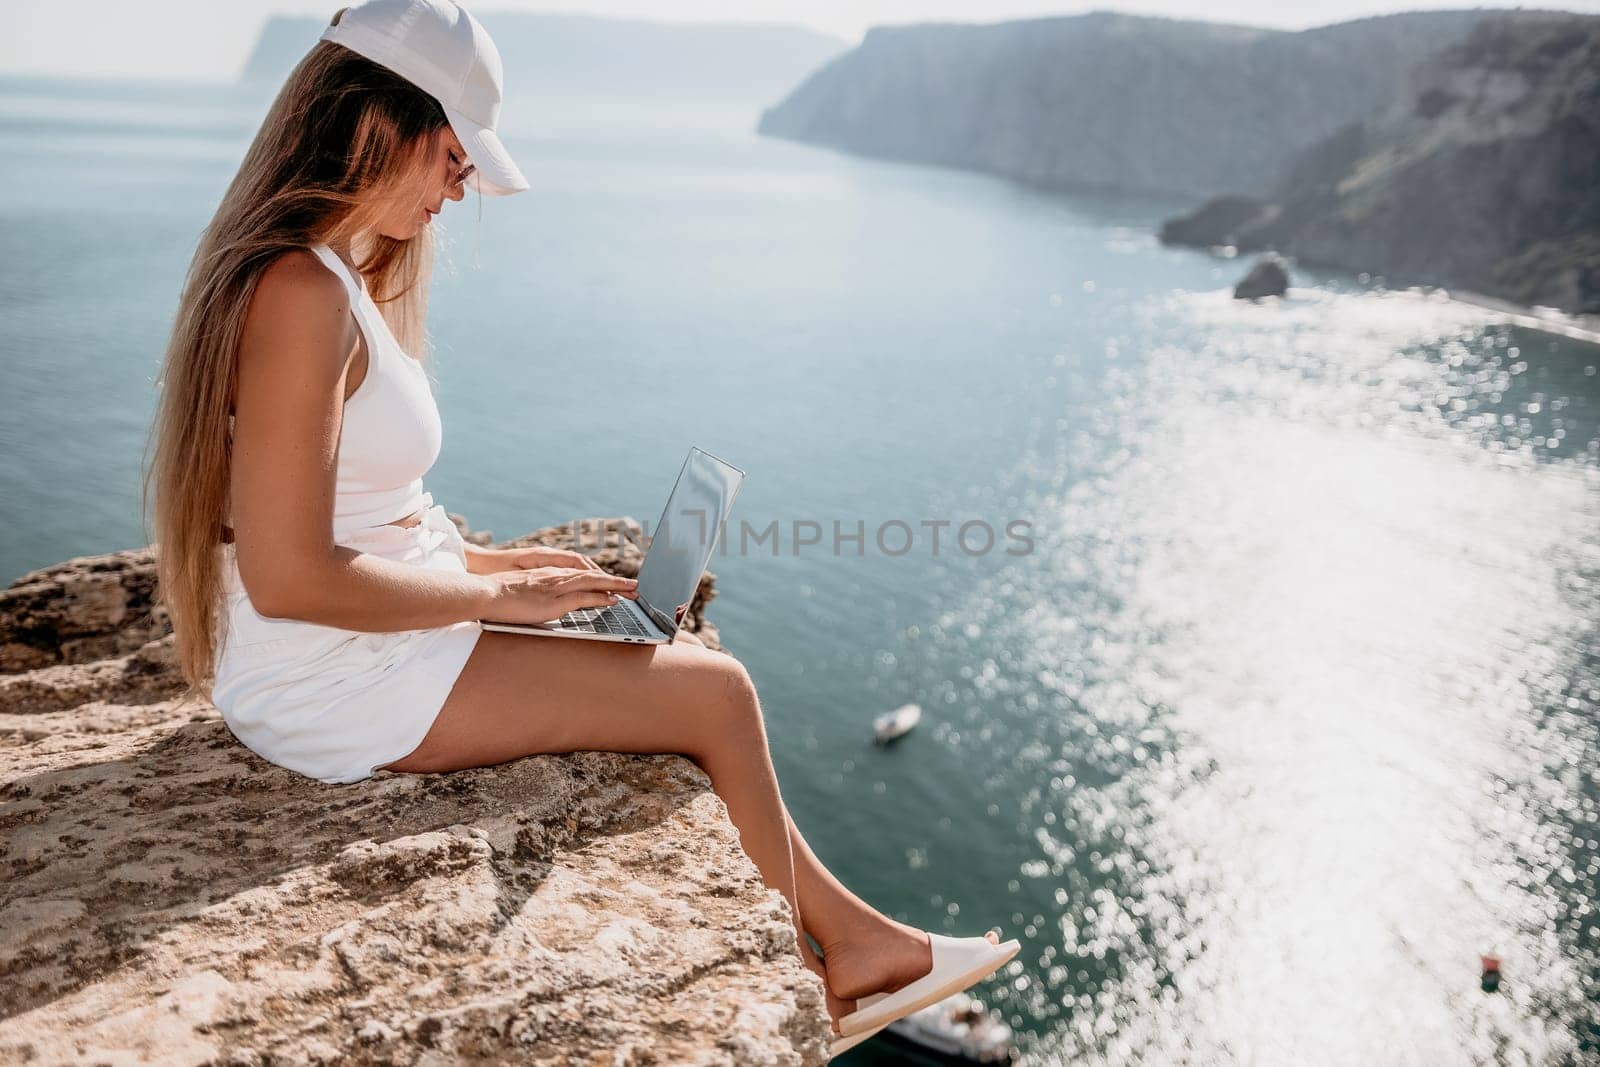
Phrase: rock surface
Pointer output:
(1219, 222)
(1110, 101)
(170, 897)
(1268, 277)
(1484, 176)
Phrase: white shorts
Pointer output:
(336, 704)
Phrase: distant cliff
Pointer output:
(583, 55)
(1484, 176)
(1110, 101)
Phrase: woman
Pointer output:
(337, 624)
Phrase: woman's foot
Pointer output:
(879, 957)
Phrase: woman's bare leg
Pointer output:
(836, 917)
(831, 909)
(863, 946)
(520, 696)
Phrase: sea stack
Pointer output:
(1269, 277)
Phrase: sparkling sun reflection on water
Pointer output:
(1309, 694)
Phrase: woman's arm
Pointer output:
(295, 351)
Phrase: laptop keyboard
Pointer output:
(603, 621)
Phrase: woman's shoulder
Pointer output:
(298, 275)
(299, 302)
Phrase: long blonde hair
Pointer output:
(343, 139)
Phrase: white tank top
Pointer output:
(391, 433)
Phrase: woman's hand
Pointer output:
(539, 556)
(489, 560)
(540, 594)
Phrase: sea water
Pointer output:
(1270, 707)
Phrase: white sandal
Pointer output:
(843, 1044)
(958, 962)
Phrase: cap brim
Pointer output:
(494, 174)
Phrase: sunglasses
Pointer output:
(466, 168)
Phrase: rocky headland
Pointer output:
(1110, 101)
(1450, 148)
(169, 897)
(1485, 175)
(556, 54)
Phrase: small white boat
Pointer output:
(893, 725)
(958, 1027)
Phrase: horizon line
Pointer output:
(181, 80)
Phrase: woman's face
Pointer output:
(443, 175)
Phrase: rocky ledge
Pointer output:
(169, 897)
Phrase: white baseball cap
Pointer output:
(440, 48)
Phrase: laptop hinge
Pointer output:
(665, 625)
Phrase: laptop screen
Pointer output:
(682, 542)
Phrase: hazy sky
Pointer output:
(209, 39)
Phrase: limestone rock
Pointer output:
(167, 896)
(1268, 277)
(84, 609)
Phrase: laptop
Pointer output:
(680, 548)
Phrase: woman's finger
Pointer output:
(586, 599)
(567, 574)
(596, 579)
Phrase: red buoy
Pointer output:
(1491, 973)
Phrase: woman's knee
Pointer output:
(738, 687)
(729, 706)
